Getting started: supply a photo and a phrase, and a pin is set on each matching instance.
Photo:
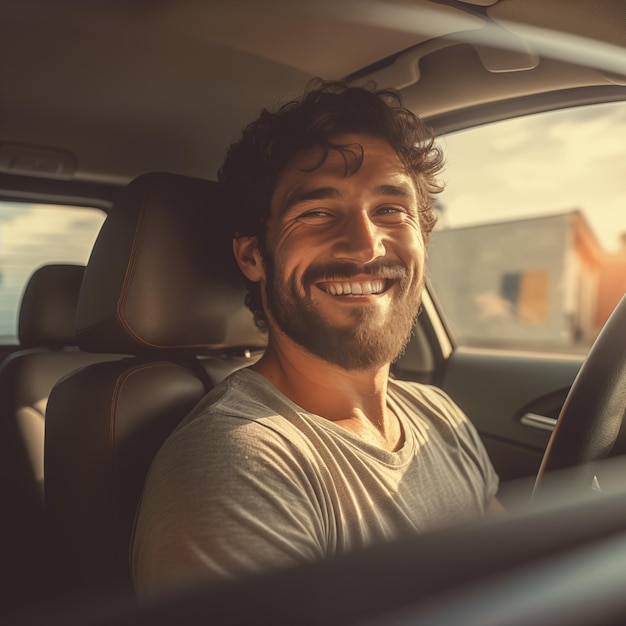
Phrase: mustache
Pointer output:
(343, 270)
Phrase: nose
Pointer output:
(360, 240)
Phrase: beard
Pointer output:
(371, 340)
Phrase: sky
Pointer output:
(544, 164)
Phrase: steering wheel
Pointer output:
(589, 423)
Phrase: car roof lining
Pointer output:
(103, 80)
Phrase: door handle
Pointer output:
(540, 422)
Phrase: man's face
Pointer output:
(345, 254)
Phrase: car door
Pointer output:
(527, 261)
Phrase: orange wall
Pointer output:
(611, 286)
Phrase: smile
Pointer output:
(354, 288)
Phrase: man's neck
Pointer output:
(353, 399)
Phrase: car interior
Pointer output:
(178, 310)
(119, 325)
(48, 351)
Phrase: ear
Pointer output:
(249, 258)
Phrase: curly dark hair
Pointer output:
(253, 164)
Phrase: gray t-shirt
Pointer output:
(250, 481)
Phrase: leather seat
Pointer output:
(159, 285)
(46, 330)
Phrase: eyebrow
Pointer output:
(400, 191)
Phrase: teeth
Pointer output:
(355, 289)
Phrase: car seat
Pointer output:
(162, 285)
(46, 331)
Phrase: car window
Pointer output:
(530, 248)
(32, 235)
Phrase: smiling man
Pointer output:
(350, 250)
(315, 450)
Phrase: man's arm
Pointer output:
(222, 504)
(495, 507)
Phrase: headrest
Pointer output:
(162, 275)
(48, 309)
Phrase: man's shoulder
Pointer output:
(420, 392)
(243, 399)
(432, 403)
(244, 394)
